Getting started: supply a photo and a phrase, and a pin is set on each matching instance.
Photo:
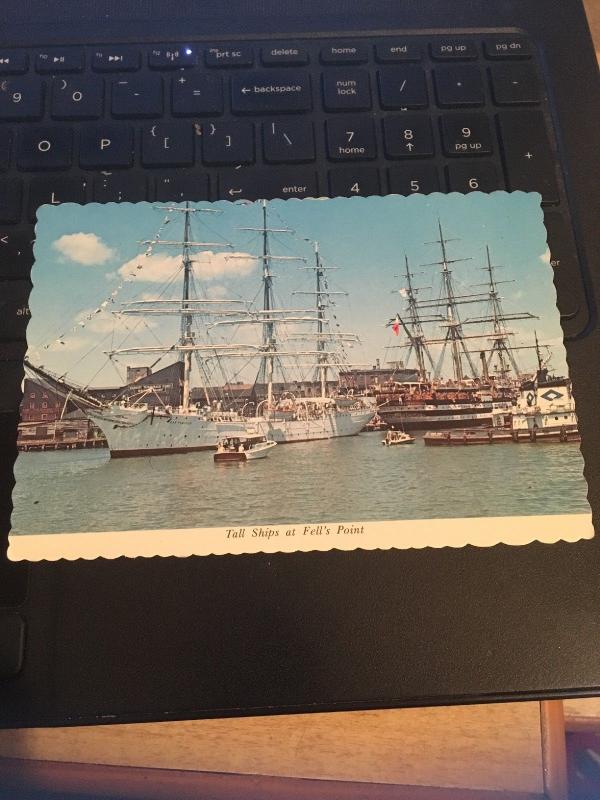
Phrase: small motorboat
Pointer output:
(234, 448)
(259, 450)
(397, 437)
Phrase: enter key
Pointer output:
(571, 296)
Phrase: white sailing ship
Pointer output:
(135, 427)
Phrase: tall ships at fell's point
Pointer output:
(452, 371)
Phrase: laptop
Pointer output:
(247, 135)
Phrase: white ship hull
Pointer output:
(143, 432)
(331, 425)
(136, 432)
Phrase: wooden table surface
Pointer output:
(511, 747)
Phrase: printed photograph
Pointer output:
(296, 368)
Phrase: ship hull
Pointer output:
(332, 425)
(143, 433)
(132, 432)
(437, 417)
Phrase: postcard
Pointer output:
(295, 375)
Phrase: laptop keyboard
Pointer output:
(263, 119)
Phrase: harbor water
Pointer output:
(345, 479)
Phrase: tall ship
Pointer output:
(473, 395)
(298, 339)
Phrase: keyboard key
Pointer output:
(250, 184)
(196, 95)
(179, 186)
(402, 87)
(120, 187)
(351, 139)
(411, 178)
(6, 138)
(116, 59)
(67, 59)
(344, 53)
(283, 55)
(270, 92)
(408, 136)
(13, 62)
(397, 50)
(137, 97)
(459, 86)
(354, 181)
(44, 148)
(346, 89)
(473, 177)
(508, 47)
(14, 309)
(288, 141)
(54, 191)
(168, 144)
(21, 99)
(169, 57)
(77, 98)
(466, 135)
(234, 56)
(228, 142)
(453, 50)
(16, 252)
(11, 198)
(528, 160)
(104, 146)
(515, 84)
(571, 299)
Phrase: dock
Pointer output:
(480, 436)
(38, 445)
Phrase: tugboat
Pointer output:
(232, 449)
(544, 411)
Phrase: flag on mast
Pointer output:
(396, 325)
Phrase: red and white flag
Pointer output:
(396, 325)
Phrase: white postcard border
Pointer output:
(248, 539)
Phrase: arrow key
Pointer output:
(408, 136)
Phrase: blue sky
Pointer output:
(89, 261)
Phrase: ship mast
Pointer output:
(322, 359)
(501, 346)
(454, 333)
(187, 308)
(413, 327)
(186, 319)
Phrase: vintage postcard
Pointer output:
(283, 376)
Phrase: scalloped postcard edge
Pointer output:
(425, 533)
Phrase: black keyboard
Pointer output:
(264, 119)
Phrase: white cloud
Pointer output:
(83, 248)
(208, 266)
(545, 257)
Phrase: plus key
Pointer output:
(528, 160)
